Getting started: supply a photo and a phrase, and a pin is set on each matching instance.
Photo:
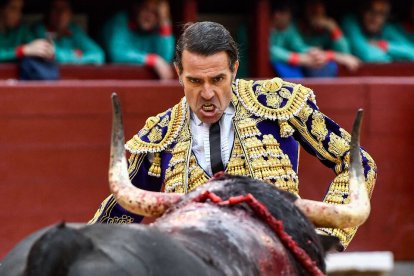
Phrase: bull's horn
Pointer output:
(357, 210)
(131, 198)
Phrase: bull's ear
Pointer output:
(330, 243)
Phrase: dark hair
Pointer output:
(281, 6)
(366, 5)
(4, 3)
(206, 38)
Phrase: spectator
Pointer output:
(14, 37)
(143, 37)
(72, 44)
(320, 30)
(290, 56)
(372, 39)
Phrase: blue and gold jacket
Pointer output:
(272, 118)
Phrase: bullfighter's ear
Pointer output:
(331, 243)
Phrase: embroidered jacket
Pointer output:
(272, 118)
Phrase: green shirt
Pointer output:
(10, 40)
(328, 41)
(126, 45)
(389, 45)
(283, 43)
(75, 47)
(407, 30)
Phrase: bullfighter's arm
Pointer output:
(110, 211)
(322, 137)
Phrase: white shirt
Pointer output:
(201, 142)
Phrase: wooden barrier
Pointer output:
(54, 148)
(132, 72)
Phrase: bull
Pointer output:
(230, 226)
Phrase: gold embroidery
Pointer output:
(164, 122)
(337, 145)
(345, 135)
(254, 147)
(178, 114)
(285, 129)
(176, 173)
(338, 193)
(266, 86)
(237, 164)
(197, 175)
(285, 93)
(155, 169)
(151, 122)
(135, 161)
(319, 129)
(248, 128)
(316, 145)
(100, 210)
(273, 100)
(304, 113)
(155, 135)
(249, 100)
(121, 220)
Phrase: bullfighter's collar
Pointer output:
(273, 99)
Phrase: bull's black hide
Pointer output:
(169, 246)
(102, 250)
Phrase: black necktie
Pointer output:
(215, 148)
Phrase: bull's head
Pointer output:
(154, 204)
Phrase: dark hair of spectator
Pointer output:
(366, 5)
(51, 2)
(281, 5)
(206, 38)
(4, 3)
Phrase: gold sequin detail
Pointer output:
(337, 145)
(164, 122)
(285, 129)
(319, 129)
(273, 100)
(155, 169)
(248, 128)
(155, 135)
(158, 142)
(345, 135)
(124, 219)
(249, 100)
(266, 86)
(285, 93)
(304, 113)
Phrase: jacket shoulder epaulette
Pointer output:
(159, 131)
(273, 99)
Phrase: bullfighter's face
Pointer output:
(207, 84)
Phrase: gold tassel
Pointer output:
(285, 129)
(155, 169)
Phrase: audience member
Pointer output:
(372, 38)
(142, 36)
(15, 37)
(72, 44)
(290, 56)
(320, 30)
